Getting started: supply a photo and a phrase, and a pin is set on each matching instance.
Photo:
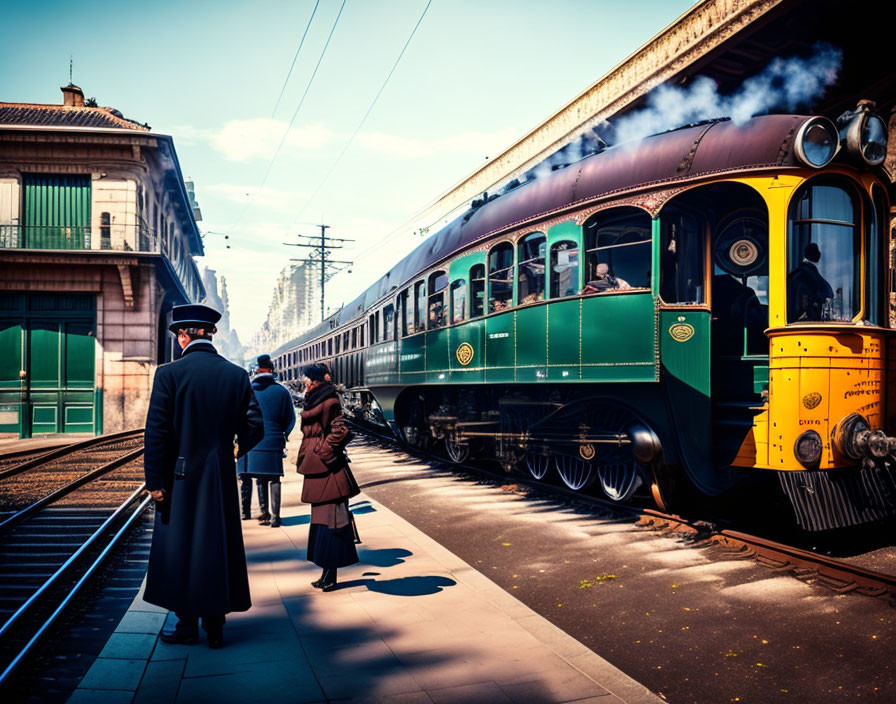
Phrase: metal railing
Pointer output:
(127, 238)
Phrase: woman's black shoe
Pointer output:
(264, 519)
(317, 583)
(215, 640)
(275, 522)
(328, 587)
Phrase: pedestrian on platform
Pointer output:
(199, 404)
(328, 481)
(264, 462)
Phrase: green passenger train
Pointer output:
(701, 308)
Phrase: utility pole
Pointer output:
(328, 267)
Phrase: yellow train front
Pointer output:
(831, 404)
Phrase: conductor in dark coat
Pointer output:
(199, 403)
(328, 483)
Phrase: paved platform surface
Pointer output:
(10, 442)
(411, 623)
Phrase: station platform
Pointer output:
(10, 442)
(410, 623)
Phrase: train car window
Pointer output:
(405, 314)
(564, 269)
(617, 250)
(354, 338)
(330, 347)
(477, 290)
(500, 277)
(389, 322)
(530, 274)
(361, 334)
(338, 343)
(458, 300)
(419, 306)
(823, 254)
(436, 313)
(681, 256)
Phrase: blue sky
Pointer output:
(476, 77)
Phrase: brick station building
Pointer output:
(97, 237)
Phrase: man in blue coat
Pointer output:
(265, 461)
(199, 404)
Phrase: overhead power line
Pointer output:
(369, 110)
(292, 121)
(294, 58)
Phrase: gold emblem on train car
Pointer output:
(681, 331)
(811, 400)
(587, 452)
(464, 353)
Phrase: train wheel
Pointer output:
(457, 452)
(576, 473)
(667, 487)
(538, 465)
(619, 481)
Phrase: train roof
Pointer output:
(686, 154)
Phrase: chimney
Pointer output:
(72, 96)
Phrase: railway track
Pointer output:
(66, 511)
(839, 575)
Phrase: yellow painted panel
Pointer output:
(819, 375)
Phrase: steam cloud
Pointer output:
(785, 84)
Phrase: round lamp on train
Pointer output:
(816, 142)
(807, 449)
(865, 135)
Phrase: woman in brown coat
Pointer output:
(328, 483)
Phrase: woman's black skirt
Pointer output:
(328, 548)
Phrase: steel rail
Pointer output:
(61, 451)
(20, 516)
(28, 605)
(837, 574)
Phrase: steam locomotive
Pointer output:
(702, 307)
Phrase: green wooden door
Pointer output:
(47, 363)
(56, 211)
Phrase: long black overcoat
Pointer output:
(197, 562)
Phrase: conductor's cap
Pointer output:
(193, 315)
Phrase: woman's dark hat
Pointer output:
(315, 372)
(263, 361)
(194, 315)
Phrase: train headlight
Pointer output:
(816, 142)
(850, 436)
(866, 138)
(807, 449)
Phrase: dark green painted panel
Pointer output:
(80, 350)
(413, 358)
(10, 353)
(44, 419)
(44, 352)
(500, 342)
(618, 337)
(437, 355)
(78, 419)
(472, 334)
(531, 343)
(760, 378)
(564, 340)
(687, 360)
(382, 364)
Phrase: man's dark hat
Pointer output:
(194, 315)
(315, 372)
(263, 361)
